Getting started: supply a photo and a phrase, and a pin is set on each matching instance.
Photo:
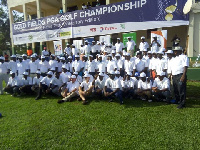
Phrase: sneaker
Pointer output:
(84, 102)
(37, 98)
(60, 101)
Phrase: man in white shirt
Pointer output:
(12, 66)
(161, 63)
(69, 64)
(155, 44)
(143, 44)
(120, 64)
(111, 64)
(130, 46)
(141, 64)
(74, 51)
(33, 67)
(113, 88)
(86, 88)
(178, 67)
(71, 90)
(45, 53)
(53, 63)
(3, 73)
(43, 66)
(21, 67)
(44, 86)
(87, 49)
(144, 87)
(161, 88)
(90, 66)
(99, 85)
(36, 82)
(129, 66)
(119, 46)
(26, 84)
(55, 84)
(94, 49)
(101, 65)
(68, 50)
(12, 85)
(77, 65)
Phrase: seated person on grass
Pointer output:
(113, 88)
(71, 90)
(12, 85)
(161, 88)
(44, 86)
(85, 89)
(56, 84)
(99, 85)
(36, 82)
(144, 87)
(26, 82)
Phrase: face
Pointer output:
(150, 56)
(13, 75)
(159, 56)
(77, 58)
(38, 75)
(169, 55)
(154, 55)
(101, 78)
(161, 77)
(143, 79)
(43, 59)
(73, 80)
(87, 79)
(129, 39)
(144, 53)
(24, 57)
(25, 76)
(112, 76)
(33, 59)
(49, 76)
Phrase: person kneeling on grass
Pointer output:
(99, 85)
(56, 84)
(44, 86)
(144, 87)
(161, 88)
(70, 91)
(36, 82)
(85, 89)
(13, 85)
(113, 88)
(26, 84)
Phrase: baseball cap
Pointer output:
(73, 76)
(25, 73)
(38, 72)
(142, 74)
(50, 73)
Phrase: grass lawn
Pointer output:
(44, 124)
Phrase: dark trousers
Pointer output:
(118, 94)
(12, 89)
(128, 93)
(26, 89)
(41, 90)
(161, 95)
(179, 89)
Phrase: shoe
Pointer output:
(180, 106)
(14, 95)
(37, 98)
(84, 102)
(143, 99)
(79, 99)
(149, 100)
(121, 103)
(60, 101)
(110, 101)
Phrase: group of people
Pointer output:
(103, 70)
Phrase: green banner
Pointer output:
(132, 35)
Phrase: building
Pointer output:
(36, 9)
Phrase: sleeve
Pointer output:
(133, 65)
(167, 84)
(123, 84)
(43, 80)
(146, 64)
(82, 84)
(139, 84)
(34, 82)
(123, 45)
(117, 84)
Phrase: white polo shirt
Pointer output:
(68, 50)
(86, 85)
(100, 84)
(87, 49)
(155, 46)
(27, 81)
(165, 83)
(65, 76)
(13, 81)
(119, 47)
(120, 64)
(71, 86)
(12, 66)
(101, 66)
(3, 68)
(128, 83)
(36, 81)
(57, 81)
(44, 66)
(90, 66)
(77, 65)
(45, 53)
(111, 66)
(69, 67)
(53, 63)
(75, 51)
(113, 84)
(129, 66)
(130, 45)
(143, 46)
(33, 66)
(94, 48)
(160, 65)
(22, 67)
(46, 81)
(140, 64)
(144, 85)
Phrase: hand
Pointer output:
(182, 78)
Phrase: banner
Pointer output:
(118, 17)
(58, 47)
(161, 36)
(126, 35)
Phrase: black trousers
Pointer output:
(26, 89)
(179, 89)
(12, 89)
(43, 88)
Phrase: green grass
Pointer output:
(44, 124)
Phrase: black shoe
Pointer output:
(180, 106)
(111, 100)
(37, 98)
(60, 101)
(121, 103)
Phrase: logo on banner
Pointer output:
(93, 29)
(122, 26)
(107, 28)
(30, 37)
(61, 34)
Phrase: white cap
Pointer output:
(2, 58)
(100, 56)
(129, 37)
(77, 56)
(161, 73)
(142, 37)
(160, 52)
(75, 73)
(113, 51)
(142, 74)
(117, 55)
(24, 55)
(62, 58)
(11, 72)
(163, 49)
(118, 38)
(129, 73)
(93, 41)
(73, 76)
(53, 69)
(86, 72)
(154, 52)
(38, 72)
(112, 72)
(67, 44)
(69, 57)
(25, 73)
(13, 56)
(154, 36)
(35, 54)
(86, 75)
(169, 52)
(86, 41)
(50, 73)
(178, 48)
(64, 66)
(144, 50)
(149, 52)
(105, 51)
(58, 57)
(32, 56)
(42, 56)
(101, 74)
(117, 72)
(127, 54)
(90, 56)
(53, 55)
(73, 44)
